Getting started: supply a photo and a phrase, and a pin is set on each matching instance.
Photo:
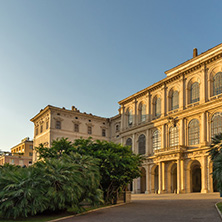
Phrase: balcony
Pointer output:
(169, 150)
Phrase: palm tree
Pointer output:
(216, 156)
(22, 191)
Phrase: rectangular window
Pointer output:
(103, 132)
(89, 130)
(30, 147)
(12, 161)
(58, 124)
(76, 127)
(41, 128)
(47, 125)
(30, 154)
(36, 131)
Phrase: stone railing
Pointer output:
(176, 149)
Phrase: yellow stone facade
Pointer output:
(21, 154)
(170, 122)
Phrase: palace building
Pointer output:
(170, 122)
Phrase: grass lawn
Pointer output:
(48, 216)
(219, 205)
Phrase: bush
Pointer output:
(52, 184)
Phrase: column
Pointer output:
(178, 176)
(182, 176)
(122, 118)
(204, 175)
(160, 177)
(163, 177)
(181, 135)
(135, 113)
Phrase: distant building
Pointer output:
(20, 154)
(53, 122)
(170, 122)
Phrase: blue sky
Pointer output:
(92, 53)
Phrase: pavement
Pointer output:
(194, 207)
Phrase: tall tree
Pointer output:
(216, 156)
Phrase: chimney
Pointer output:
(195, 53)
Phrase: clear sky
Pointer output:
(92, 53)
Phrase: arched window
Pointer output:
(129, 142)
(142, 112)
(216, 124)
(194, 132)
(157, 107)
(156, 140)
(130, 117)
(175, 100)
(217, 84)
(174, 137)
(194, 92)
(142, 144)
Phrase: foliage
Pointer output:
(216, 156)
(216, 146)
(21, 191)
(52, 184)
(117, 164)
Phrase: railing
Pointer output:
(178, 148)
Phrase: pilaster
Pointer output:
(122, 118)
(163, 177)
(135, 119)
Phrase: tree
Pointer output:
(22, 191)
(216, 156)
(118, 165)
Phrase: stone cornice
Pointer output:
(176, 73)
(49, 107)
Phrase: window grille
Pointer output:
(158, 107)
(216, 124)
(175, 100)
(174, 137)
(58, 124)
(156, 140)
(142, 144)
(194, 92)
(129, 142)
(130, 118)
(194, 132)
(217, 84)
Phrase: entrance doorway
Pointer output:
(156, 179)
(174, 178)
(195, 177)
(143, 181)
